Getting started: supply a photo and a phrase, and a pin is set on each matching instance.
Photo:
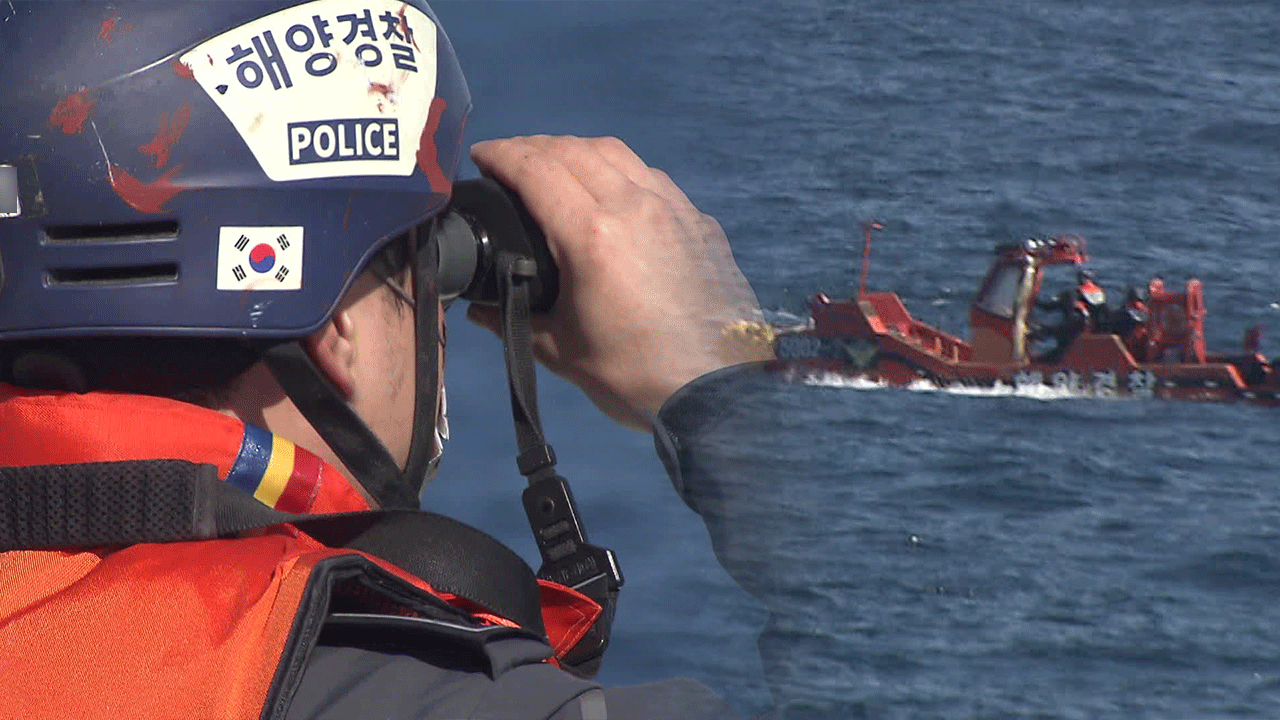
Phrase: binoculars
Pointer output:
(484, 219)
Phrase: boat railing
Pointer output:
(1176, 322)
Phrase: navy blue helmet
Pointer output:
(225, 170)
(216, 169)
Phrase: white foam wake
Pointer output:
(1035, 392)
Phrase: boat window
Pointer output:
(1002, 292)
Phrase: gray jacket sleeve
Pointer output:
(349, 682)
(717, 438)
(713, 436)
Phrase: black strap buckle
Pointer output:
(567, 557)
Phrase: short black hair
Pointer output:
(195, 370)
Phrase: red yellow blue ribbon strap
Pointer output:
(276, 472)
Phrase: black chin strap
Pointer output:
(355, 444)
(567, 557)
(423, 452)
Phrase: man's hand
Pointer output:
(647, 282)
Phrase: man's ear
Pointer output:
(333, 349)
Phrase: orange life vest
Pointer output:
(1092, 294)
(184, 629)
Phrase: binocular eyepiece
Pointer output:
(485, 219)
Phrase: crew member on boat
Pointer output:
(1075, 318)
(1089, 292)
(1129, 321)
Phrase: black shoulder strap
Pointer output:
(131, 502)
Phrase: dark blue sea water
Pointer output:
(953, 556)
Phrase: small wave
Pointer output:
(1241, 133)
(1033, 392)
(784, 318)
(827, 379)
(1227, 570)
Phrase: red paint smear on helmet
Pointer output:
(71, 112)
(404, 28)
(428, 156)
(167, 135)
(148, 198)
(108, 30)
(182, 70)
(382, 89)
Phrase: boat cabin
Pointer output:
(999, 318)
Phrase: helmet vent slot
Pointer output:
(161, 231)
(154, 274)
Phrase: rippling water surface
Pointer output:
(954, 555)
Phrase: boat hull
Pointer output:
(1095, 365)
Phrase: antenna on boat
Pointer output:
(867, 227)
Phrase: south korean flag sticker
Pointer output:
(260, 258)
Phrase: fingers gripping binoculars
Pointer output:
(485, 219)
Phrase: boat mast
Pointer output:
(867, 227)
